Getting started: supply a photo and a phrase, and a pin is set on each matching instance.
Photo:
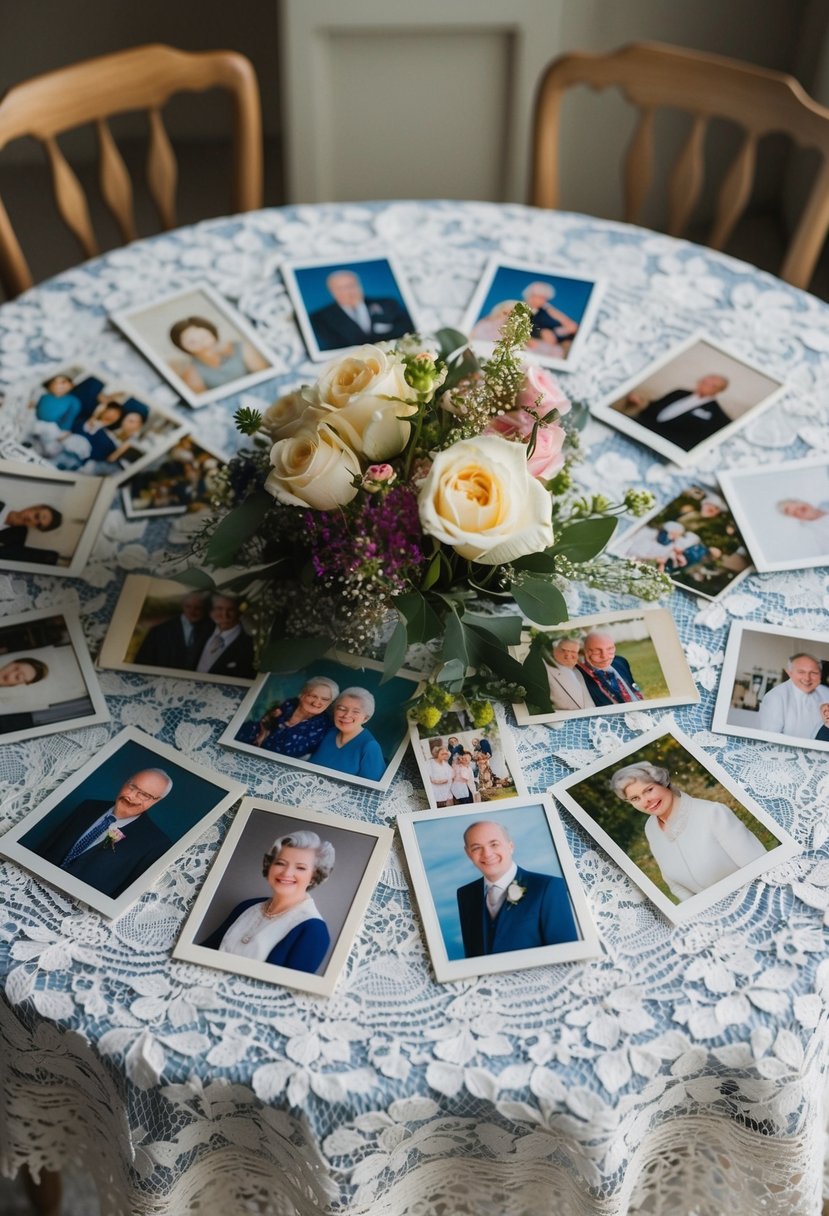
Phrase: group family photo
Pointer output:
(462, 764)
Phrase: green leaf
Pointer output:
(194, 576)
(538, 563)
(395, 650)
(449, 340)
(585, 539)
(534, 679)
(251, 576)
(507, 629)
(236, 527)
(454, 641)
(492, 651)
(540, 601)
(432, 574)
(422, 620)
(577, 416)
(452, 674)
(292, 654)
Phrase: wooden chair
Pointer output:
(142, 78)
(652, 76)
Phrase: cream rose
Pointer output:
(480, 498)
(354, 397)
(286, 416)
(313, 469)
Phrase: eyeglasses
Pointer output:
(139, 793)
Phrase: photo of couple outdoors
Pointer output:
(672, 819)
(615, 664)
(328, 716)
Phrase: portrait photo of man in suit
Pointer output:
(179, 642)
(353, 319)
(509, 908)
(608, 675)
(684, 416)
(15, 526)
(109, 843)
(228, 651)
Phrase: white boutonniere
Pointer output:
(515, 892)
(112, 837)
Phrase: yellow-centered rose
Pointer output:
(313, 469)
(286, 416)
(479, 498)
(366, 399)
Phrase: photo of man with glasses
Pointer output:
(110, 843)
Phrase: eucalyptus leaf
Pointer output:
(454, 641)
(507, 629)
(492, 651)
(534, 679)
(395, 650)
(292, 654)
(540, 601)
(421, 619)
(537, 563)
(432, 574)
(585, 538)
(452, 674)
(194, 576)
(237, 527)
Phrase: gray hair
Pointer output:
(301, 839)
(362, 695)
(539, 288)
(804, 654)
(598, 633)
(321, 682)
(566, 638)
(157, 772)
(494, 823)
(643, 771)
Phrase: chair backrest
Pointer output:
(652, 77)
(142, 78)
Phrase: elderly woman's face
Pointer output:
(195, 338)
(649, 797)
(349, 712)
(314, 699)
(292, 870)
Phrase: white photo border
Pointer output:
(56, 877)
(730, 480)
(288, 271)
(122, 319)
(649, 439)
(677, 914)
(321, 985)
(448, 970)
(720, 724)
(498, 262)
(80, 650)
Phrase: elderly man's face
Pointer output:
(192, 608)
(600, 650)
(804, 673)
(225, 614)
(141, 791)
(489, 849)
(801, 510)
(566, 653)
(346, 289)
(710, 386)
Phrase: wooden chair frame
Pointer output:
(653, 76)
(142, 78)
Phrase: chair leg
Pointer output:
(45, 1195)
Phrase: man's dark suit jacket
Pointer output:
(13, 547)
(689, 428)
(596, 691)
(334, 328)
(541, 917)
(108, 870)
(13, 536)
(236, 659)
(164, 645)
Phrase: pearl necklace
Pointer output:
(248, 937)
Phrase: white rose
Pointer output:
(286, 416)
(479, 498)
(354, 397)
(313, 469)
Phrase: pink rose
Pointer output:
(540, 392)
(517, 424)
(547, 458)
(378, 475)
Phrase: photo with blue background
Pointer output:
(189, 800)
(572, 295)
(376, 276)
(447, 867)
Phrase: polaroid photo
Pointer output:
(107, 833)
(564, 309)
(461, 763)
(81, 420)
(775, 686)
(609, 663)
(675, 822)
(47, 681)
(49, 520)
(166, 628)
(317, 719)
(689, 400)
(285, 896)
(342, 305)
(783, 511)
(199, 343)
(497, 888)
(181, 482)
(694, 539)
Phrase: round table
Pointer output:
(683, 1071)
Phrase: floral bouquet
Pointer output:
(416, 486)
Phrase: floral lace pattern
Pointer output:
(682, 1072)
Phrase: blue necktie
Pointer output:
(83, 842)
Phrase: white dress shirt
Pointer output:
(212, 648)
(682, 405)
(787, 710)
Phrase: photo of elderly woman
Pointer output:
(674, 821)
(334, 716)
(83, 420)
(47, 682)
(285, 896)
(462, 763)
(201, 345)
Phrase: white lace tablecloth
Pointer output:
(683, 1072)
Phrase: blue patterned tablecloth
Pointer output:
(682, 1072)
